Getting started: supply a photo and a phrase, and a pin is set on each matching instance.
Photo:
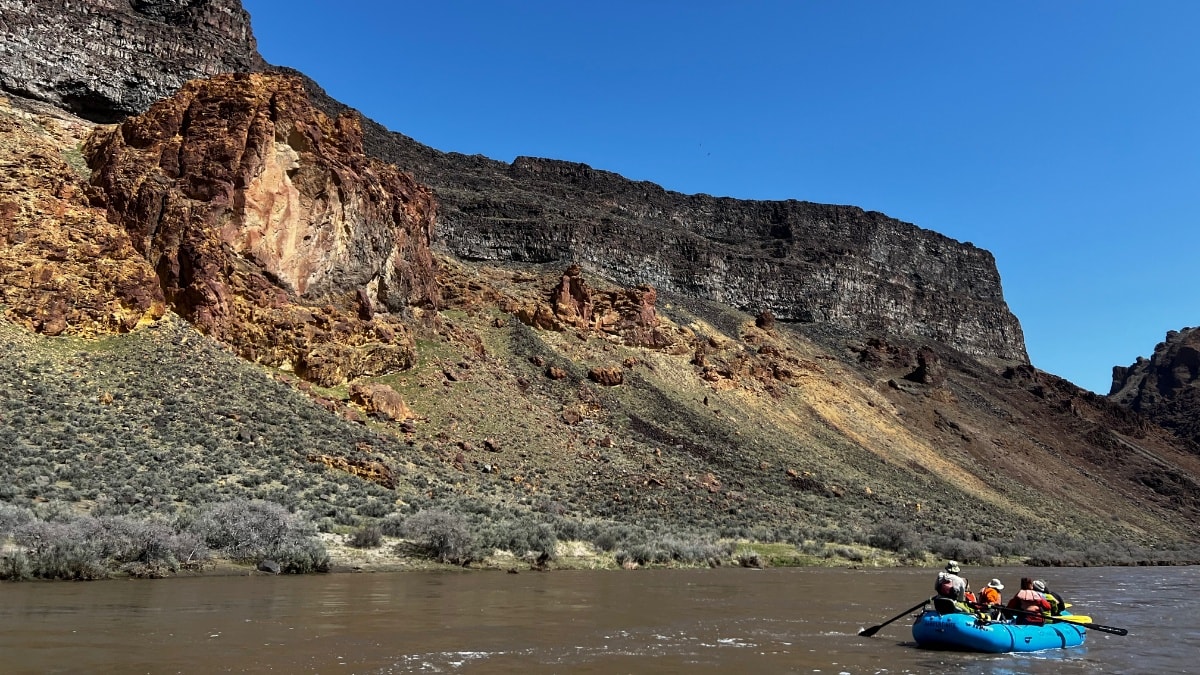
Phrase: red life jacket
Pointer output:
(1031, 601)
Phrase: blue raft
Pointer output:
(966, 632)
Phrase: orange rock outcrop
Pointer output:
(64, 269)
(628, 313)
(269, 229)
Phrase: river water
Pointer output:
(645, 621)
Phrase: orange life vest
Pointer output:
(990, 595)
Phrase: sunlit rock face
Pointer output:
(267, 226)
(64, 269)
(106, 59)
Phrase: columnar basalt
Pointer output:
(106, 59)
(267, 226)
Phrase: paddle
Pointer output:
(1067, 619)
(868, 632)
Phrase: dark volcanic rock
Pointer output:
(802, 262)
(106, 59)
(1165, 387)
(929, 369)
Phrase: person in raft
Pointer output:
(1029, 600)
(949, 584)
(951, 591)
(991, 600)
(1057, 604)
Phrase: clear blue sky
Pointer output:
(1063, 136)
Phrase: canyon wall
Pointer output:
(809, 263)
(1166, 386)
(804, 262)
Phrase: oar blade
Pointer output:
(868, 632)
(1112, 630)
(1086, 622)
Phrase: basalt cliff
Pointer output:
(239, 287)
(106, 59)
(803, 262)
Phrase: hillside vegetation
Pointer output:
(512, 442)
(508, 412)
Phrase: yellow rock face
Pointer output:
(64, 269)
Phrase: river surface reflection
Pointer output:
(645, 621)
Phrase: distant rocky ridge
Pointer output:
(106, 59)
(1166, 386)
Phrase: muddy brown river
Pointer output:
(645, 621)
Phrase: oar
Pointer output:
(868, 632)
(1067, 619)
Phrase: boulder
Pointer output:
(608, 377)
(380, 399)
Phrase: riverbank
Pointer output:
(396, 554)
(54, 543)
(391, 556)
